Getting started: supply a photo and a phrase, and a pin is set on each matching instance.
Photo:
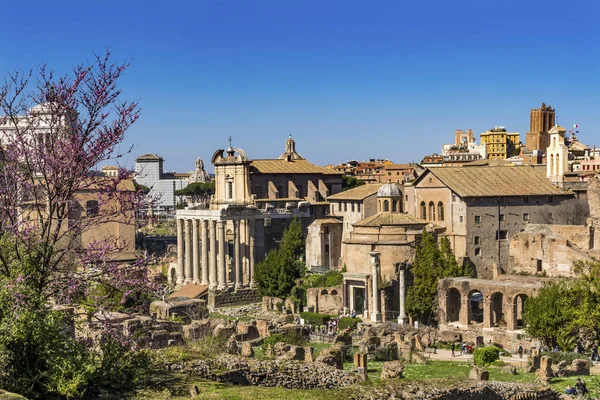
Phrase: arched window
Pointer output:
(551, 162)
(423, 210)
(393, 206)
(386, 205)
(91, 208)
(441, 211)
(431, 211)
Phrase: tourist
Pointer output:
(580, 388)
(594, 353)
(520, 351)
(353, 314)
(452, 349)
(463, 348)
(570, 390)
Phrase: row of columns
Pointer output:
(202, 252)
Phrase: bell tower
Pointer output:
(557, 156)
(541, 120)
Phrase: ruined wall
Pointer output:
(227, 299)
(323, 244)
(327, 300)
(550, 250)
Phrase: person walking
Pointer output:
(452, 349)
(520, 351)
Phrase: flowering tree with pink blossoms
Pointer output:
(55, 131)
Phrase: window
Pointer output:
(405, 197)
(461, 219)
(501, 235)
(326, 230)
(526, 200)
(478, 219)
(386, 205)
(332, 209)
(91, 208)
(431, 211)
(326, 248)
(393, 206)
(477, 240)
(477, 251)
(230, 190)
(345, 207)
(358, 207)
(441, 211)
(353, 207)
(539, 265)
(525, 217)
(501, 217)
(423, 210)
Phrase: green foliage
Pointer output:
(484, 356)
(197, 191)
(349, 182)
(315, 318)
(298, 296)
(498, 363)
(330, 278)
(276, 275)
(346, 323)
(565, 341)
(566, 311)
(141, 188)
(431, 264)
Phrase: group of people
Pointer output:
(579, 389)
(465, 348)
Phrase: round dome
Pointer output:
(389, 190)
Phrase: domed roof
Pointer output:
(389, 190)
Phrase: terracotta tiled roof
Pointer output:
(276, 166)
(190, 291)
(497, 181)
(357, 193)
(390, 219)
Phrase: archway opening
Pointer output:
(452, 305)
(519, 305)
(173, 275)
(497, 311)
(475, 307)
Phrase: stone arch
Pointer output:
(324, 292)
(440, 211)
(431, 211)
(453, 304)
(518, 306)
(333, 292)
(476, 306)
(496, 308)
(423, 210)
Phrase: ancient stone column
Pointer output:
(487, 313)
(251, 251)
(179, 251)
(213, 254)
(375, 313)
(401, 282)
(222, 264)
(196, 255)
(236, 255)
(204, 252)
(188, 251)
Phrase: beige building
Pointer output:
(375, 256)
(482, 207)
(254, 201)
(500, 144)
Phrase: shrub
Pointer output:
(314, 318)
(498, 363)
(348, 323)
(276, 338)
(484, 356)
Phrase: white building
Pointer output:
(163, 185)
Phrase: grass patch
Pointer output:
(319, 347)
(591, 382)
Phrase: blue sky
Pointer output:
(348, 79)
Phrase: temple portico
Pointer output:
(214, 248)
